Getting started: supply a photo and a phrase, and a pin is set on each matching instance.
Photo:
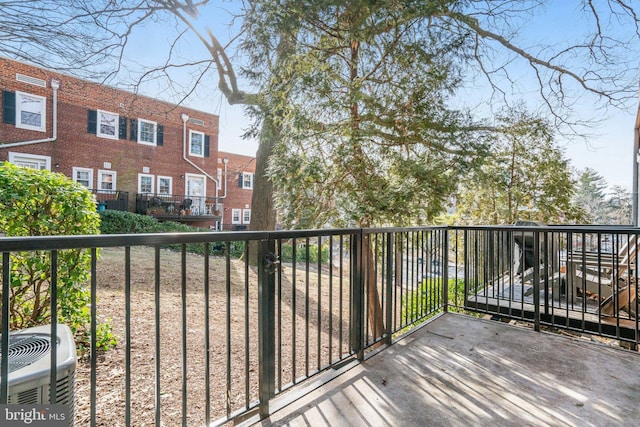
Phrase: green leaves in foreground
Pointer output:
(41, 203)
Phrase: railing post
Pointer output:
(536, 280)
(547, 270)
(268, 263)
(357, 296)
(445, 268)
(467, 261)
(4, 347)
(389, 289)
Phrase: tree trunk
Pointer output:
(373, 296)
(263, 214)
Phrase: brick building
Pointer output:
(236, 172)
(135, 153)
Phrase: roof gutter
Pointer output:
(55, 84)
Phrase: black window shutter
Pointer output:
(134, 130)
(9, 107)
(92, 121)
(240, 180)
(206, 145)
(122, 129)
(160, 136)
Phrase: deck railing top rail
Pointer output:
(315, 299)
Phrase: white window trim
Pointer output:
(77, 169)
(170, 184)
(140, 176)
(101, 173)
(244, 180)
(191, 153)
(155, 133)
(47, 160)
(233, 215)
(116, 126)
(244, 220)
(43, 125)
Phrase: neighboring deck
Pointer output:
(463, 371)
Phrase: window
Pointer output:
(83, 176)
(246, 216)
(164, 184)
(246, 180)
(196, 143)
(146, 132)
(30, 161)
(31, 111)
(106, 180)
(145, 183)
(235, 216)
(108, 124)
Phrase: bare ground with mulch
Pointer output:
(313, 304)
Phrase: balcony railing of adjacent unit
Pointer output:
(111, 199)
(176, 206)
(578, 278)
(234, 227)
(206, 337)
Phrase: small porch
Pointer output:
(177, 207)
(462, 370)
(111, 199)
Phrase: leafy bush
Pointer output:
(301, 253)
(416, 305)
(118, 222)
(41, 203)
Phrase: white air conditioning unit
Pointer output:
(30, 363)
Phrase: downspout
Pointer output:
(185, 119)
(224, 176)
(55, 84)
(636, 159)
(635, 202)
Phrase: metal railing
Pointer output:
(207, 335)
(577, 278)
(175, 205)
(111, 199)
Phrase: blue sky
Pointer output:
(608, 148)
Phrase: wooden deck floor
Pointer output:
(463, 371)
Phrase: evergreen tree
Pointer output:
(591, 196)
(526, 177)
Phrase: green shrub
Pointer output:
(118, 222)
(421, 304)
(41, 203)
(301, 253)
